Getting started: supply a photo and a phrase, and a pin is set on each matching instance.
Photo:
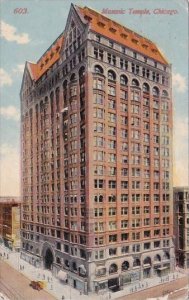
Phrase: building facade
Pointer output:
(10, 222)
(97, 155)
(181, 225)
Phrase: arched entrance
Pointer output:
(48, 259)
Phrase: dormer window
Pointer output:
(52, 54)
(87, 18)
(123, 35)
(46, 60)
(154, 51)
(135, 41)
(144, 46)
(113, 30)
(100, 24)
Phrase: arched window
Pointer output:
(147, 261)
(145, 87)
(67, 264)
(155, 91)
(165, 93)
(73, 77)
(123, 80)
(125, 266)
(57, 93)
(111, 75)
(135, 82)
(113, 268)
(74, 266)
(81, 72)
(98, 69)
(166, 255)
(65, 83)
(136, 262)
(157, 257)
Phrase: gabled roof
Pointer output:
(120, 34)
(47, 59)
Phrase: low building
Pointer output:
(181, 225)
(10, 222)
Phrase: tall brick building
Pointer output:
(97, 155)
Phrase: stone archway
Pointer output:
(48, 256)
(48, 259)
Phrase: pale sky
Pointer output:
(27, 36)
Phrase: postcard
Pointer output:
(94, 170)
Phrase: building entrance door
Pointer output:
(48, 259)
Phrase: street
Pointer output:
(16, 286)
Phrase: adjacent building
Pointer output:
(10, 222)
(181, 225)
(97, 156)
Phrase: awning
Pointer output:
(62, 275)
(162, 268)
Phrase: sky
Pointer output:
(26, 36)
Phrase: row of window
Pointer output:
(113, 238)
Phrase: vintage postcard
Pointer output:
(94, 170)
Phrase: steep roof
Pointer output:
(118, 33)
(47, 59)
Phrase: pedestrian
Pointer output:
(51, 287)
(63, 298)
(23, 267)
(44, 276)
(48, 278)
(80, 292)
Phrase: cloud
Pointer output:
(9, 33)
(19, 68)
(10, 170)
(179, 82)
(181, 148)
(10, 113)
(5, 78)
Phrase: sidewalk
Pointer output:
(57, 289)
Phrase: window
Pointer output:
(124, 223)
(112, 61)
(123, 95)
(112, 184)
(113, 238)
(112, 251)
(99, 183)
(136, 210)
(123, 80)
(124, 211)
(112, 130)
(111, 104)
(124, 172)
(125, 249)
(124, 184)
(123, 64)
(111, 90)
(98, 99)
(98, 54)
(112, 117)
(111, 44)
(98, 198)
(98, 212)
(136, 236)
(135, 96)
(98, 84)
(112, 157)
(97, 38)
(124, 236)
(136, 248)
(112, 211)
(124, 197)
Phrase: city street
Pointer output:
(16, 286)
